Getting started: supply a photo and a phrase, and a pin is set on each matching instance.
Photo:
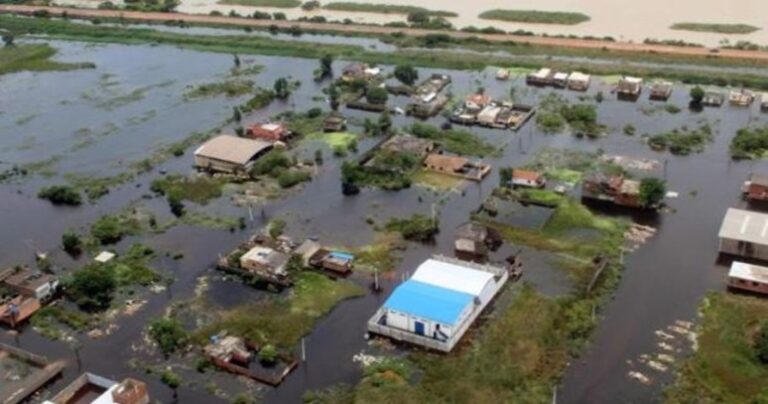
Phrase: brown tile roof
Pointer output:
(528, 175)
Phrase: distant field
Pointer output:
(534, 16)
(384, 8)
(264, 3)
(717, 28)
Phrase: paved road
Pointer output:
(367, 29)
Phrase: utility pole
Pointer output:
(303, 351)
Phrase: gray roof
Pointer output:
(232, 149)
(749, 272)
(744, 225)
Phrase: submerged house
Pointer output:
(95, 389)
(560, 79)
(359, 71)
(542, 77)
(629, 87)
(316, 256)
(29, 283)
(741, 98)
(456, 166)
(230, 154)
(752, 278)
(270, 131)
(713, 99)
(474, 241)
(661, 90)
(409, 144)
(334, 122)
(756, 188)
(261, 259)
(579, 81)
(436, 306)
(745, 234)
(764, 102)
(616, 189)
(528, 179)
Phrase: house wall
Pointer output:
(524, 182)
(743, 249)
(407, 322)
(752, 286)
(218, 165)
(757, 192)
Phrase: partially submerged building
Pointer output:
(261, 259)
(269, 131)
(741, 98)
(541, 77)
(528, 179)
(236, 355)
(456, 166)
(436, 306)
(16, 309)
(29, 283)
(406, 143)
(24, 373)
(474, 241)
(712, 99)
(661, 90)
(94, 389)
(230, 154)
(359, 71)
(755, 189)
(616, 189)
(629, 87)
(560, 79)
(764, 102)
(334, 122)
(579, 81)
(744, 233)
(316, 256)
(749, 277)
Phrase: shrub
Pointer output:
(108, 230)
(92, 288)
(652, 191)
(268, 354)
(310, 5)
(417, 228)
(71, 243)
(761, 343)
(60, 195)
(276, 228)
(314, 112)
(168, 334)
(290, 178)
(376, 95)
(407, 74)
(273, 163)
(170, 379)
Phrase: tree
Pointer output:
(385, 121)
(326, 66)
(505, 176)
(761, 343)
(170, 379)
(333, 97)
(8, 39)
(652, 191)
(418, 17)
(310, 5)
(697, 95)
(279, 16)
(176, 205)
(92, 287)
(71, 243)
(60, 195)
(107, 230)
(276, 228)
(236, 115)
(236, 60)
(407, 74)
(268, 354)
(376, 95)
(282, 90)
(169, 334)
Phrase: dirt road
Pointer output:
(365, 29)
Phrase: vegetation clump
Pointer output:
(32, 57)
(229, 88)
(535, 17)
(384, 8)
(91, 288)
(457, 141)
(683, 141)
(169, 334)
(557, 114)
(199, 189)
(749, 143)
(61, 195)
(716, 28)
(416, 228)
(264, 3)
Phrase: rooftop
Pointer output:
(748, 272)
(232, 149)
(26, 278)
(454, 163)
(525, 175)
(452, 276)
(744, 225)
(266, 256)
(579, 76)
(759, 179)
(428, 301)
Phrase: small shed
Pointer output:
(406, 143)
(741, 98)
(579, 81)
(542, 77)
(527, 179)
(713, 99)
(32, 284)
(265, 259)
(270, 131)
(487, 117)
(629, 86)
(756, 188)
(749, 277)
(334, 123)
(104, 257)
(230, 154)
(745, 234)
(661, 90)
(560, 79)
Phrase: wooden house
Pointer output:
(743, 233)
(741, 98)
(457, 166)
(579, 81)
(749, 277)
(616, 189)
(629, 87)
(712, 99)
(756, 188)
(270, 131)
(661, 90)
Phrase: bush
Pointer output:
(376, 95)
(273, 163)
(279, 16)
(290, 178)
(749, 143)
(176, 205)
(314, 112)
(407, 74)
(268, 354)
(108, 230)
(92, 288)
(170, 379)
(71, 243)
(417, 228)
(310, 5)
(168, 334)
(276, 228)
(60, 195)
(652, 191)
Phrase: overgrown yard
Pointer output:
(34, 57)
(230, 88)
(536, 17)
(725, 368)
(282, 321)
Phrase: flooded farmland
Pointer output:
(97, 123)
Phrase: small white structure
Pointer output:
(542, 77)
(579, 81)
(560, 79)
(104, 257)
(95, 389)
(436, 306)
(753, 278)
(265, 259)
(744, 233)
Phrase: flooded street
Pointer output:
(98, 122)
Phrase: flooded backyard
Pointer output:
(84, 125)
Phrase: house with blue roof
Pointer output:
(440, 301)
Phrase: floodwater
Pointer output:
(663, 281)
(622, 19)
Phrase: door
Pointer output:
(418, 327)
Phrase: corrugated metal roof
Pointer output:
(452, 276)
(427, 301)
(744, 225)
(749, 272)
(232, 149)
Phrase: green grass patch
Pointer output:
(384, 9)
(725, 367)
(564, 175)
(417, 227)
(535, 16)
(229, 88)
(198, 189)
(435, 180)
(34, 57)
(716, 28)
(335, 139)
(49, 320)
(541, 196)
(263, 3)
(379, 255)
(283, 320)
(457, 141)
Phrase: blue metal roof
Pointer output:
(428, 301)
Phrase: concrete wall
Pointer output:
(758, 287)
(743, 249)
(218, 165)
